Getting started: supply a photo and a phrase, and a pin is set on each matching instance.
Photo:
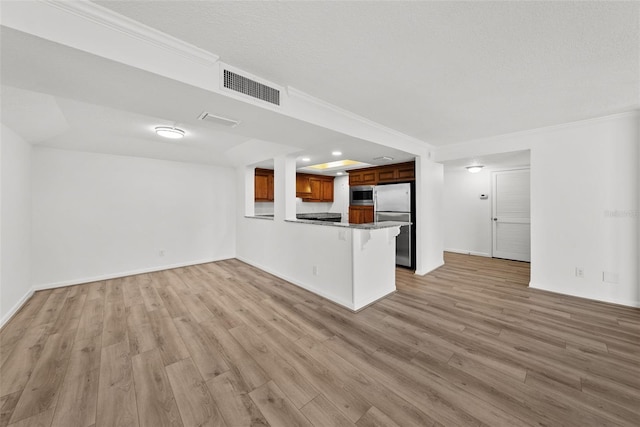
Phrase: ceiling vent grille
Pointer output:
(249, 87)
(219, 120)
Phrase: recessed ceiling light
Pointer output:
(336, 153)
(385, 158)
(340, 173)
(474, 168)
(306, 159)
(169, 132)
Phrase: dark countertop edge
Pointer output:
(368, 226)
(270, 218)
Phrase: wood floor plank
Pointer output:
(7, 405)
(467, 344)
(167, 339)
(17, 368)
(376, 418)
(115, 323)
(42, 390)
(77, 404)
(276, 408)
(205, 353)
(293, 385)
(236, 357)
(139, 330)
(116, 391)
(320, 412)
(156, 402)
(234, 402)
(43, 419)
(195, 404)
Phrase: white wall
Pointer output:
(15, 227)
(97, 215)
(584, 204)
(467, 218)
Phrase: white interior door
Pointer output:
(512, 215)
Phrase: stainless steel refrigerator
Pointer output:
(394, 202)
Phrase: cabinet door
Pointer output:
(386, 174)
(327, 190)
(355, 178)
(316, 190)
(270, 187)
(360, 214)
(303, 187)
(261, 188)
(369, 177)
(407, 172)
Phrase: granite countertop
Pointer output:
(368, 226)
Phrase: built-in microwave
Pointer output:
(361, 195)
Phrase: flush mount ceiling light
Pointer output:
(336, 153)
(474, 168)
(169, 132)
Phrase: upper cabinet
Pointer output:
(263, 185)
(314, 188)
(401, 172)
(310, 188)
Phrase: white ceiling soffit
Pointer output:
(120, 93)
(91, 28)
(443, 72)
(492, 161)
(36, 117)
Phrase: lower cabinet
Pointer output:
(361, 214)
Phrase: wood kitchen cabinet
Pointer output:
(362, 177)
(310, 188)
(360, 214)
(314, 188)
(263, 185)
(401, 172)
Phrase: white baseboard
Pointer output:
(466, 252)
(346, 304)
(626, 303)
(110, 276)
(16, 307)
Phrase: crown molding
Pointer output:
(114, 21)
(569, 125)
(293, 92)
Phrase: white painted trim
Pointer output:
(293, 92)
(125, 274)
(634, 112)
(132, 28)
(467, 252)
(17, 306)
(425, 272)
(340, 302)
(625, 303)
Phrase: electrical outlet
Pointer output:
(580, 272)
(315, 270)
(161, 253)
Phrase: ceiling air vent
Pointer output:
(250, 87)
(212, 118)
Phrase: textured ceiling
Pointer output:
(440, 71)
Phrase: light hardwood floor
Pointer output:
(227, 344)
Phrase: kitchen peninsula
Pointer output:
(352, 265)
